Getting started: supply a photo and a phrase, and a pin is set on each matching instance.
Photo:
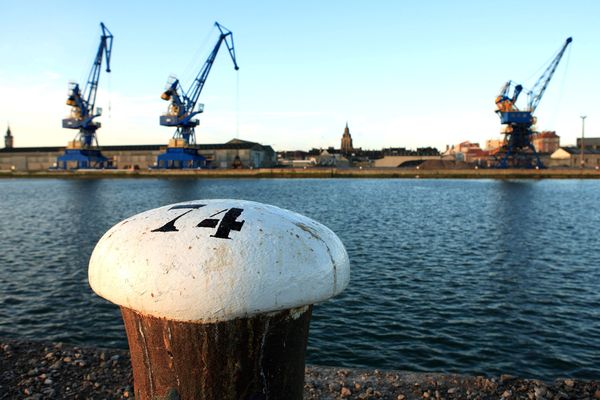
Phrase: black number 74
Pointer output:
(227, 224)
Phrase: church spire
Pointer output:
(346, 141)
(8, 139)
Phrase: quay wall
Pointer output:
(412, 173)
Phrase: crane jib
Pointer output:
(542, 83)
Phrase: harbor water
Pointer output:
(464, 276)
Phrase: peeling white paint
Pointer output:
(276, 261)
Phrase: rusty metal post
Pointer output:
(216, 296)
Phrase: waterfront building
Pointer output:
(235, 153)
(571, 157)
(332, 158)
(296, 159)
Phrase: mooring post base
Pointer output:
(256, 358)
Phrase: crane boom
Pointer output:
(105, 48)
(542, 83)
(198, 85)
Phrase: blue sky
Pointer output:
(403, 74)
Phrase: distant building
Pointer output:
(395, 151)
(571, 157)
(296, 159)
(332, 158)
(546, 142)
(238, 153)
(465, 147)
(468, 152)
(402, 151)
(347, 146)
(589, 143)
(8, 139)
(493, 144)
(292, 155)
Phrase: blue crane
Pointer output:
(83, 152)
(518, 150)
(181, 152)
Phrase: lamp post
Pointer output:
(583, 117)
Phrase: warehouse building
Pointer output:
(235, 153)
(573, 157)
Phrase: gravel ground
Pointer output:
(37, 370)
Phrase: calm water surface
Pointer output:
(465, 276)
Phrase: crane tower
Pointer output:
(83, 151)
(517, 150)
(182, 152)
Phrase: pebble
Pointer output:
(569, 382)
(540, 393)
(23, 375)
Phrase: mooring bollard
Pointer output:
(216, 296)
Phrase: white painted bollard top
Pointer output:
(216, 260)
